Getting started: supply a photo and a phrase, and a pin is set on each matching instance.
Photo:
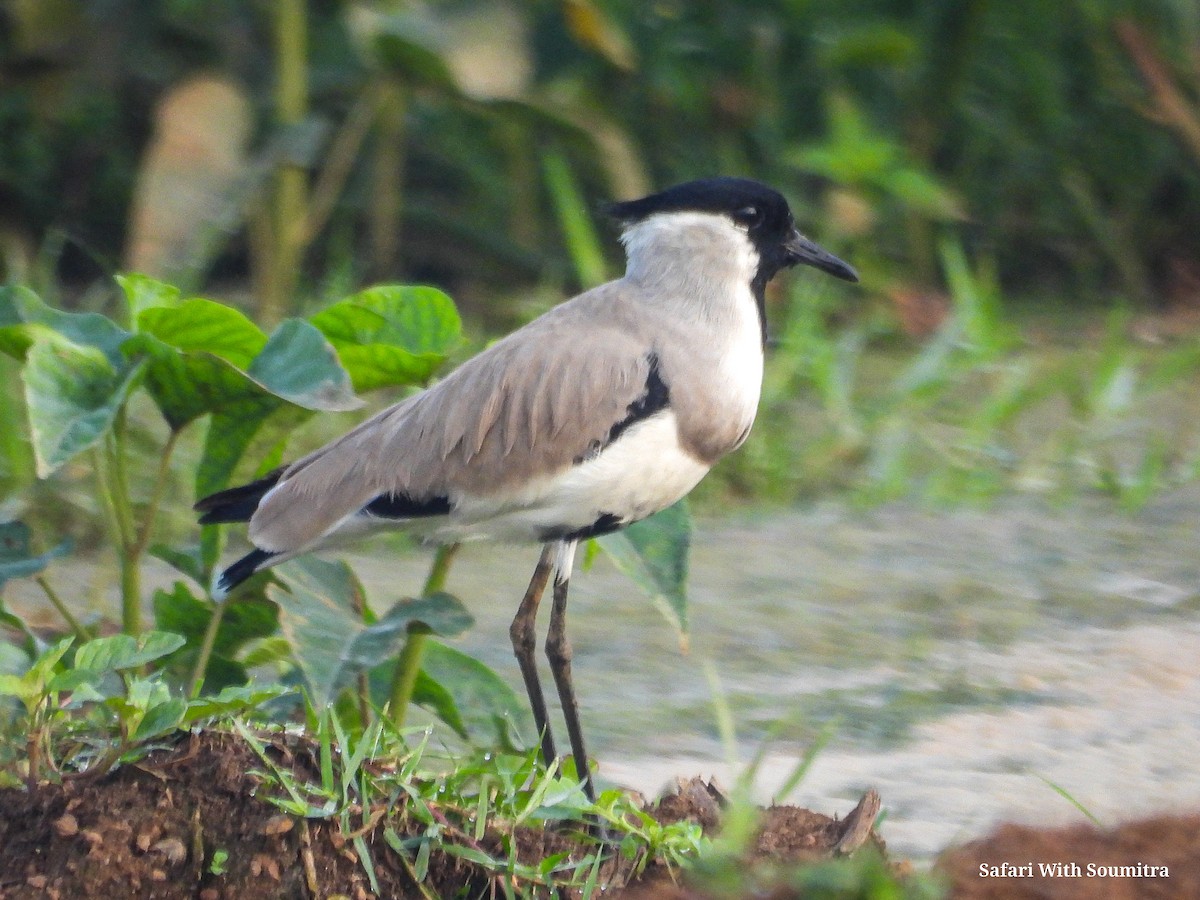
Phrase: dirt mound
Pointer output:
(181, 823)
(185, 823)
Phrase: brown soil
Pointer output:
(151, 830)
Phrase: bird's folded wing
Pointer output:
(535, 403)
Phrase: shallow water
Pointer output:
(964, 656)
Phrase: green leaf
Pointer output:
(978, 305)
(296, 371)
(161, 718)
(391, 335)
(205, 357)
(24, 318)
(233, 430)
(398, 44)
(266, 652)
(249, 618)
(85, 684)
(205, 326)
(187, 561)
(415, 318)
(318, 603)
(143, 292)
(239, 700)
(244, 620)
(32, 686)
(12, 686)
(429, 694)
(73, 393)
(440, 613)
(48, 659)
(575, 219)
(16, 559)
(123, 651)
(321, 614)
(470, 854)
(186, 386)
(490, 710)
(300, 366)
(654, 553)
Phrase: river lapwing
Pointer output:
(599, 413)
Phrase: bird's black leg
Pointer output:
(524, 641)
(558, 651)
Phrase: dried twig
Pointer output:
(856, 827)
(307, 860)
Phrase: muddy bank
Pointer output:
(186, 823)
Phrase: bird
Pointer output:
(604, 410)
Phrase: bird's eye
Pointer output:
(748, 216)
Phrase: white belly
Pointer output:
(642, 472)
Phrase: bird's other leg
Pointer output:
(524, 641)
(558, 651)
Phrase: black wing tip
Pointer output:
(236, 504)
(239, 512)
(240, 571)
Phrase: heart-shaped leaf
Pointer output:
(247, 619)
(143, 292)
(23, 317)
(391, 335)
(654, 553)
(123, 651)
(198, 325)
(440, 613)
(301, 366)
(490, 710)
(321, 614)
(73, 393)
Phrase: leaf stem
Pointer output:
(156, 494)
(72, 623)
(103, 488)
(115, 492)
(440, 569)
(408, 663)
(404, 680)
(206, 647)
(131, 596)
(118, 451)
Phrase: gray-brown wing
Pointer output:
(531, 405)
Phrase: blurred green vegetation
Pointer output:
(417, 141)
(1003, 175)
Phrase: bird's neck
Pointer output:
(699, 260)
